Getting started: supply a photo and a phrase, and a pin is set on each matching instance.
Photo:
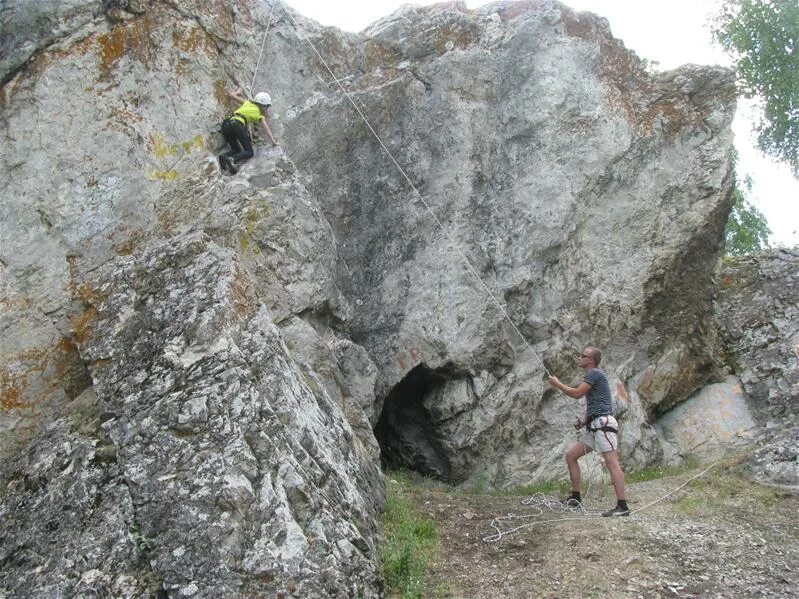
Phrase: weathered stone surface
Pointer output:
(236, 476)
(588, 195)
(240, 336)
(27, 28)
(758, 319)
(709, 425)
(535, 173)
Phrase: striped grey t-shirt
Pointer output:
(598, 396)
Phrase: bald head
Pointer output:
(594, 354)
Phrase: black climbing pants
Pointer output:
(238, 138)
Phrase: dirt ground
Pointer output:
(721, 535)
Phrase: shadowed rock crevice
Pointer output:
(409, 430)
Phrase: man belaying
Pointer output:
(236, 131)
(601, 429)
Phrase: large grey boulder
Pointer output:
(182, 347)
(710, 425)
(758, 319)
(116, 187)
(587, 194)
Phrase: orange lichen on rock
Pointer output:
(193, 40)
(11, 391)
(220, 92)
(241, 293)
(54, 367)
(82, 324)
(670, 116)
(134, 38)
(134, 240)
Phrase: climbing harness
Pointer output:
(605, 428)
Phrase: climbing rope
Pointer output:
(541, 503)
(261, 53)
(418, 194)
(538, 501)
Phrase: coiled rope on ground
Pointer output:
(541, 504)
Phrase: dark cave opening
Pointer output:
(407, 430)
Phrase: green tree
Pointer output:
(762, 38)
(747, 230)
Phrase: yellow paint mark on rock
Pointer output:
(158, 175)
(244, 241)
(163, 150)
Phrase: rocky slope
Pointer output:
(758, 319)
(193, 365)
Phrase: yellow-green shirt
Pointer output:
(250, 112)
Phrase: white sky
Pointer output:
(671, 32)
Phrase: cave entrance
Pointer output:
(407, 431)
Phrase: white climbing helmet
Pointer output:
(263, 98)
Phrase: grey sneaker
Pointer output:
(616, 511)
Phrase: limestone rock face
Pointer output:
(193, 365)
(708, 425)
(588, 195)
(171, 338)
(227, 474)
(758, 320)
(758, 317)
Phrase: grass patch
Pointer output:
(410, 542)
(546, 487)
(656, 472)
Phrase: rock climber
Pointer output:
(601, 429)
(236, 130)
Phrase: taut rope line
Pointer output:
(500, 534)
(419, 195)
(261, 53)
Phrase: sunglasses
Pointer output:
(584, 356)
